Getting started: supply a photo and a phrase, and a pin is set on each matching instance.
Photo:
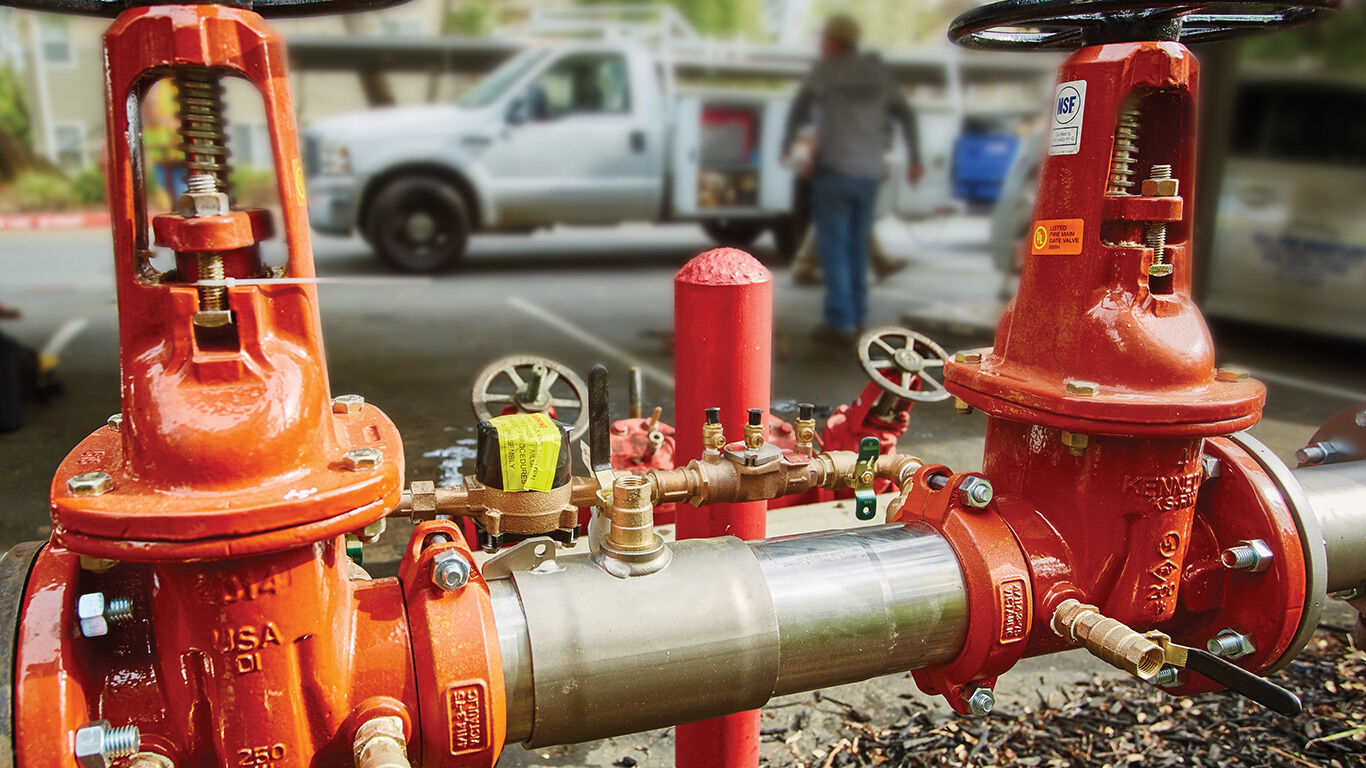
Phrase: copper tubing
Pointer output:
(1109, 640)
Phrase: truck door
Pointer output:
(582, 145)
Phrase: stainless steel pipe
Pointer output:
(1337, 496)
(724, 628)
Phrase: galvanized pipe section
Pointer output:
(724, 628)
(1337, 495)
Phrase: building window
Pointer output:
(55, 38)
(69, 145)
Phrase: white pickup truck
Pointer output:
(573, 133)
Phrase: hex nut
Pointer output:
(90, 615)
(1231, 373)
(1253, 555)
(1160, 187)
(1082, 388)
(977, 492)
(1211, 466)
(195, 205)
(972, 358)
(90, 484)
(981, 702)
(961, 405)
(450, 570)
(115, 422)
(347, 403)
(97, 745)
(371, 533)
(1075, 442)
(358, 459)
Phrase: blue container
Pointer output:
(980, 163)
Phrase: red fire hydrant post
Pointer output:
(723, 330)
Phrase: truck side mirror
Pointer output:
(516, 112)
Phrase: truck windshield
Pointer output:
(492, 87)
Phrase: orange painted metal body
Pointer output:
(1110, 513)
(254, 639)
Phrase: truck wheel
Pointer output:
(733, 233)
(418, 224)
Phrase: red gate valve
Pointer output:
(995, 574)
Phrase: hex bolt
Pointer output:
(1075, 442)
(149, 760)
(1231, 644)
(347, 403)
(981, 702)
(96, 614)
(977, 492)
(1317, 453)
(1169, 677)
(90, 484)
(1159, 184)
(115, 422)
(358, 459)
(971, 358)
(1082, 388)
(1361, 418)
(962, 406)
(1231, 373)
(98, 744)
(1211, 467)
(1248, 555)
(450, 570)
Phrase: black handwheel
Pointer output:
(1068, 24)
(272, 9)
(418, 224)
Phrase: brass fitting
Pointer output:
(713, 434)
(632, 515)
(1109, 640)
(805, 429)
(754, 430)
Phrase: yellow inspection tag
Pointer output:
(528, 449)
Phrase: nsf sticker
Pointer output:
(1069, 102)
(1056, 237)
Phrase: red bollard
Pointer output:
(723, 332)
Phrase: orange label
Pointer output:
(1060, 237)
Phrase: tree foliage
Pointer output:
(1334, 42)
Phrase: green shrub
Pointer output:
(254, 187)
(89, 186)
(44, 191)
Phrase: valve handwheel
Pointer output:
(895, 357)
(534, 385)
(1063, 25)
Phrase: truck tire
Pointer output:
(733, 233)
(418, 224)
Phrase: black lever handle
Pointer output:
(1239, 680)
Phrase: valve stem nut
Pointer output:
(1231, 644)
(98, 745)
(981, 702)
(450, 570)
(1248, 555)
(977, 492)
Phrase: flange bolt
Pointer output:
(95, 613)
(358, 459)
(90, 484)
(1230, 644)
(981, 702)
(450, 570)
(1248, 555)
(98, 744)
(977, 492)
(347, 403)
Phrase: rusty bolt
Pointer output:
(1231, 644)
(981, 702)
(450, 570)
(115, 422)
(1248, 555)
(972, 358)
(1082, 388)
(347, 403)
(1231, 373)
(977, 492)
(358, 459)
(1159, 188)
(90, 484)
(98, 744)
(1076, 442)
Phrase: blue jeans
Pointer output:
(842, 209)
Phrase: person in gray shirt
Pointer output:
(852, 98)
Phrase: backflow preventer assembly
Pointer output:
(198, 605)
